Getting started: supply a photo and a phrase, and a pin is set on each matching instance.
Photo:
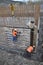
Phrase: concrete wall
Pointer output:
(6, 33)
(41, 31)
(14, 21)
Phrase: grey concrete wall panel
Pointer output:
(41, 31)
(6, 33)
(14, 21)
(6, 37)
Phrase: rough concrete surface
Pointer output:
(12, 53)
